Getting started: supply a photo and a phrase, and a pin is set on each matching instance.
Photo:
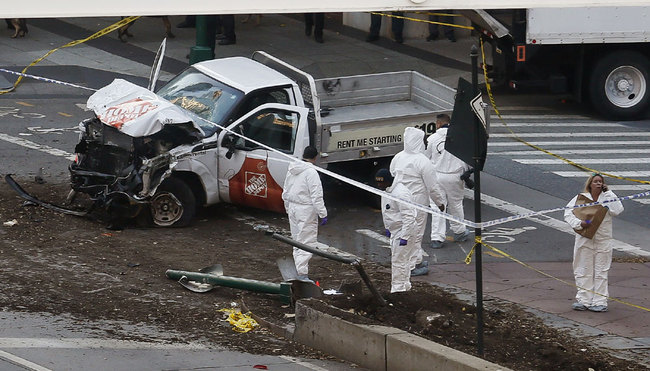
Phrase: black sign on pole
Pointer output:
(462, 133)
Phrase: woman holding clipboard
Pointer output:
(592, 251)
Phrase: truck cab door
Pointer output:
(249, 173)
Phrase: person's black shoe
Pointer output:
(431, 37)
(186, 24)
(372, 38)
(220, 36)
(307, 31)
(227, 42)
(319, 39)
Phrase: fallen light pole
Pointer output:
(355, 262)
(282, 289)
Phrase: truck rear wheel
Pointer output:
(618, 86)
(173, 204)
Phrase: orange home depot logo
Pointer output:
(254, 186)
(122, 113)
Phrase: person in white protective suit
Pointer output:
(303, 200)
(399, 223)
(449, 170)
(417, 173)
(592, 258)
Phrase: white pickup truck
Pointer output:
(168, 153)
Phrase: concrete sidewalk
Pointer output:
(624, 328)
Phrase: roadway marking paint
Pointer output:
(303, 364)
(64, 114)
(89, 343)
(572, 135)
(22, 362)
(573, 152)
(574, 144)
(544, 117)
(545, 220)
(561, 124)
(553, 161)
(582, 174)
(25, 104)
(39, 147)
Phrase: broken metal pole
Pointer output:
(355, 262)
(283, 289)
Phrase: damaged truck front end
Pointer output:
(128, 150)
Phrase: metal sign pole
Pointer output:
(477, 209)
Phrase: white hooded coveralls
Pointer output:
(399, 218)
(449, 168)
(418, 175)
(303, 199)
(593, 257)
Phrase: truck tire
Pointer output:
(174, 204)
(618, 86)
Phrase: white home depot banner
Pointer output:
(85, 8)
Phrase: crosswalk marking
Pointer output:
(573, 143)
(572, 135)
(593, 161)
(574, 152)
(379, 237)
(582, 174)
(569, 124)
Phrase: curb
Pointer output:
(379, 347)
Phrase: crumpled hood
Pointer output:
(413, 140)
(297, 167)
(134, 110)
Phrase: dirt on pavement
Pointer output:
(57, 264)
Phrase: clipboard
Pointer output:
(595, 213)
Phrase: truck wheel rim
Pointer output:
(625, 86)
(166, 209)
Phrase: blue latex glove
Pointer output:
(387, 233)
(323, 221)
(403, 242)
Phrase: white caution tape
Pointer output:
(46, 79)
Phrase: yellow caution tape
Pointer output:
(516, 137)
(97, 34)
(423, 20)
(241, 322)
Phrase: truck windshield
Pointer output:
(203, 96)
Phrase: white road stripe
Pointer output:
(39, 147)
(89, 343)
(572, 135)
(582, 174)
(302, 363)
(573, 143)
(573, 152)
(548, 221)
(543, 124)
(553, 161)
(538, 117)
(22, 362)
(645, 201)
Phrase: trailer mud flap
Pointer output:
(21, 192)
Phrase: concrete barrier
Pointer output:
(376, 347)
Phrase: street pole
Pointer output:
(206, 32)
(477, 208)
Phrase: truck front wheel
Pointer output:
(618, 85)
(173, 204)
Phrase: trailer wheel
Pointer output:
(618, 85)
(173, 204)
